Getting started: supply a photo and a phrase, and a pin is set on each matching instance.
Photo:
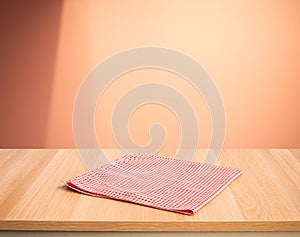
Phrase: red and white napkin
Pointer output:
(165, 183)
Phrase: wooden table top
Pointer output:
(32, 197)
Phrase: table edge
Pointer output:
(187, 226)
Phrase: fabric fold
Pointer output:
(165, 183)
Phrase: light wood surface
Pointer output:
(265, 198)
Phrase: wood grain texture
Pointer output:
(265, 198)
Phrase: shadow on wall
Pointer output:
(250, 48)
(28, 43)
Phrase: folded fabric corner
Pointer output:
(164, 183)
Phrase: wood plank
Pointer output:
(151, 226)
(265, 198)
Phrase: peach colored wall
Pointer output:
(250, 48)
(28, 41)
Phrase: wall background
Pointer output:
(250, 48)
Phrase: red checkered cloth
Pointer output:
(165, 183)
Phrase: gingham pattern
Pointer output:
(164, 183)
